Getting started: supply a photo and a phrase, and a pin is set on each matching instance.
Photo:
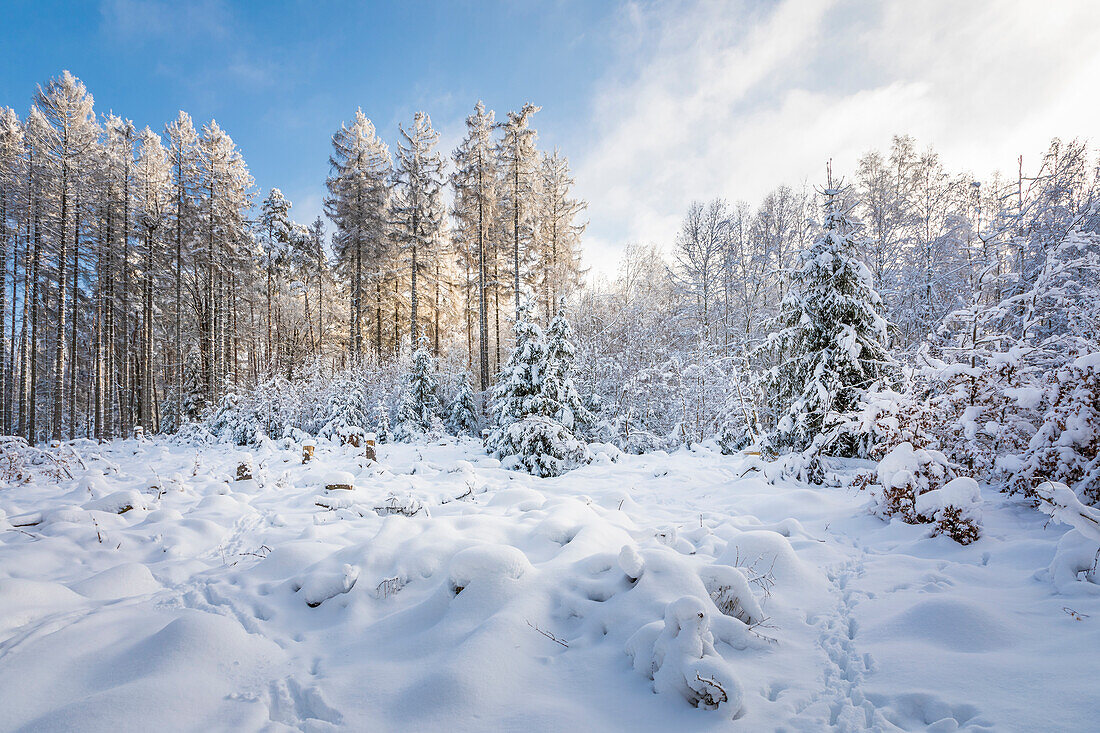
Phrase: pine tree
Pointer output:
(72, 133)
(462, 412)
(519, 162)
(11, 177)
(830, 346)
(347, 409)
(153, 177)
(275, 226)
(183, 155)
(419, 413)
(557, 233)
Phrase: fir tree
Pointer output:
(830, 344)
(383, 423)
(462, 412)
(566, 406)
(347, 409)
(420, 410)
(528, 433)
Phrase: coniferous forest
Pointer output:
(826, 460)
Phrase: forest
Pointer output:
(870, 400)
(180, 298)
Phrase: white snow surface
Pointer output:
(658, 592)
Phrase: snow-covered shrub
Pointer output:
(631, 436)
(1078, 554)
(678, 654)
(419, 413)
(907, 472)
(1066, 447)
(234, 420)
(954, 509)
(920, 486)
(888, 418)
(21, 462)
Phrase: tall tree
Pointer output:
(475, 180)
(559, 232)
(417, 207)
(519, 163)
(67, 106)
(153, 174)
(358, 195)
(183, 154)
(11, 179)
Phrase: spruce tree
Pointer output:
(347, 409)
(566, 406)
(383, 434)
(830, 344)
(420, 410)
(462, 412)
(528, 433)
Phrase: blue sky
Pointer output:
(282, 76)
(655, 103)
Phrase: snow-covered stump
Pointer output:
(307, 452)
(369, 447)
(339, 481)
(139, 433)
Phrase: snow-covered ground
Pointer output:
(445, 593)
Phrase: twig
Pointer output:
(548, 635)
(1076, 616)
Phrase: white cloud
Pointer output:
(733, 99)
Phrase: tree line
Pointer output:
(143, 278)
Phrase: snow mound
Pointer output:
(122, 581)
(119, 502)
(487, 564)
(322, 583)
(678, 654)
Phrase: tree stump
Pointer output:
(244, 471)
(368, 449)
(139, 432)
(339, 481)
(307, 453)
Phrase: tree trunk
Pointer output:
(59, 339)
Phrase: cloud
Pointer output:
(732, 99)
(159, 21)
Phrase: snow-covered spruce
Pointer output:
(419, 413)
(462, 410)
(558, 387)
(829, 343)
(347, 411)
(529, 433)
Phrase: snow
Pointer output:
(682, 591)
(962, 492)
